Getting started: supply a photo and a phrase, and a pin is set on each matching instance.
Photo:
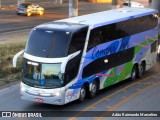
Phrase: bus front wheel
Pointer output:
(82, 94)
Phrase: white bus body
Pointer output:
(75, 57)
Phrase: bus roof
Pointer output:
(97, 19)
(110, 16)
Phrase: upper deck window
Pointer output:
(56, 41)
(47, 43)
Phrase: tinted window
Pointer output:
(140, 24)
(78, 41)
(122, 29)
(154, 46)
(24, 5)
(95, 38)
(51, 44)
(125, 4)
(72, 68)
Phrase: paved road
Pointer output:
(139, 95)
(9, 21)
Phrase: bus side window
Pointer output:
(72, 68)
(94, 39)
(77, 42)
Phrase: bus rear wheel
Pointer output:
(82, 94)
(141, 70)
(93, 91)
(133, 73)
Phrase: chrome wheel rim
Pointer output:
(93, 88)
(83, 93)
(133, 74)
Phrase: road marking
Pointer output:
(138, 89)
(114, 93)
(8, 88)
(128, 98)
(108, 107)
(4, 89)
(124, 97)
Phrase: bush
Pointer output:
(7, 72)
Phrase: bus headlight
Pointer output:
(22, 89)
(57, 93)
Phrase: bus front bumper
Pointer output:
(49, 96)
(55, 100)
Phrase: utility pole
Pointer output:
(18, 2)
(116, 4)
(58, 1)
(129, 3)
(150, 1)
(73, 8)
(156, 5)
(0, 3)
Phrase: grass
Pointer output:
(7, 72)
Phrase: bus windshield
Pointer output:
(43, 75)
(48, 43)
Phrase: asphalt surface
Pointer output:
(139, 95)
(10, 21)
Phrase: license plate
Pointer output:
(21, 11)
(38, 99)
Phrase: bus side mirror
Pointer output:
(16, 57)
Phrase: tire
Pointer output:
(158, 57)
(140, 70)
(18, 13)
(82, 95)
(93, 91)
(29, 14)
(133, 73)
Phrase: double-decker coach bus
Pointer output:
(70, 59)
